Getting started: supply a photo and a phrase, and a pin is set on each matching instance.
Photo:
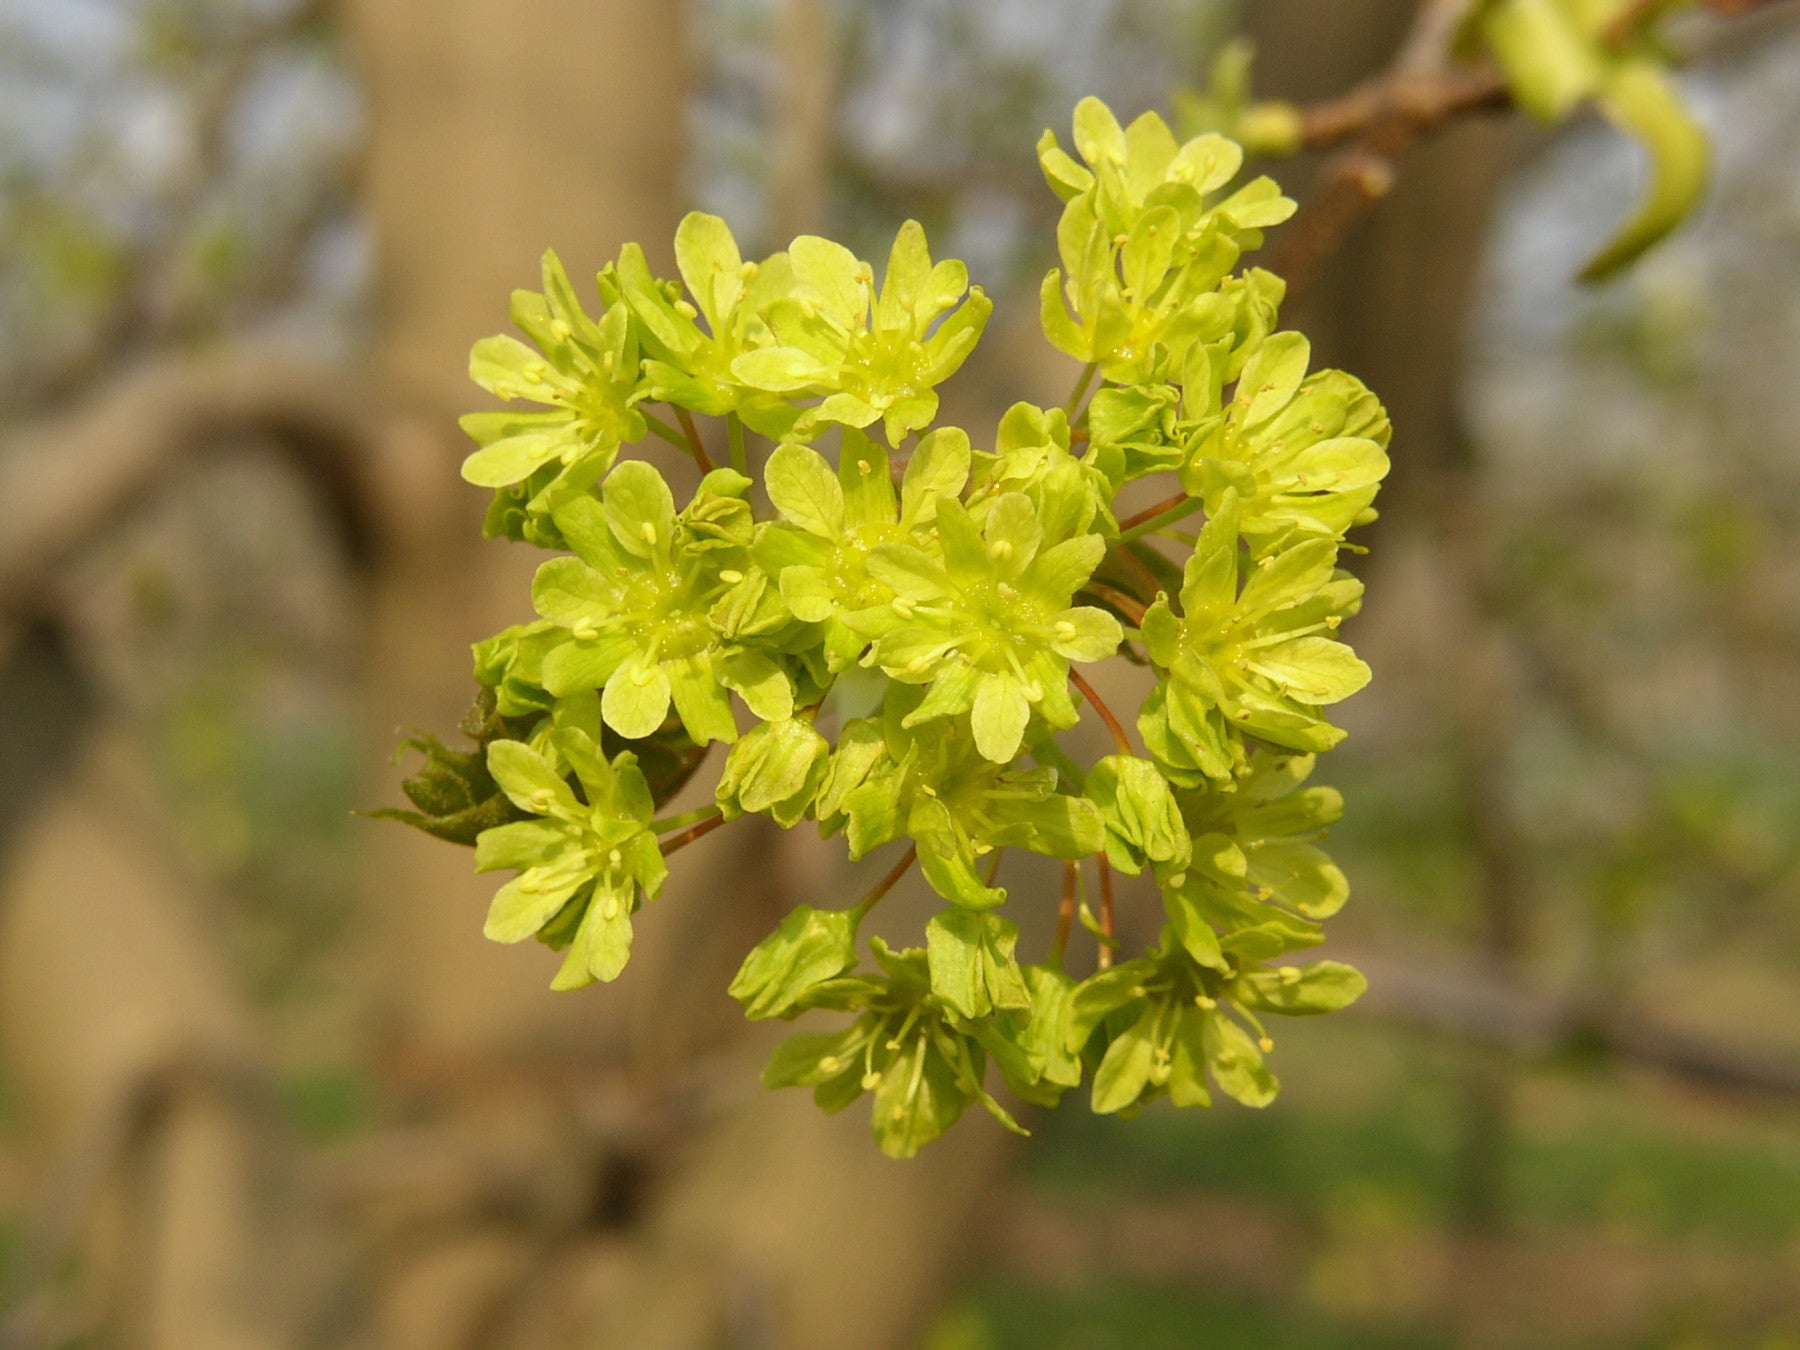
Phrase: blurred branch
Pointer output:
(1474, 1005)
(70, 475)
(1425, 90)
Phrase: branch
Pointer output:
(71, 475)
(1495, 1012)
(1423, 91)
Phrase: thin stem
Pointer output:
(1113, 724)
(668, 823)
(1143, 570)
(689, 835)
(1065, 913)
(663, 429)
(1091, 369)
(734, 431)
(886, 884)
(1156, 517)
(1106, 913)
(683, 416)
(1118, 599)
(993, 868)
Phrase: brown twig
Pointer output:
(1152, 512)
(683, 416)
(1065, 912)
(887, 883)
(1423, 101)
(1106, 714)
(689, 835)
(1422, 92)
(1106, 913)
(1132, 608)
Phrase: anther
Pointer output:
(730, 575)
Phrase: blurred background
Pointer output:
(263, 1084)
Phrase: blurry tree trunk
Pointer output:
(498, 130)
(1394, 308)
(808, 119)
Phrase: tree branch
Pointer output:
(1489, 1010)
(1423, 91)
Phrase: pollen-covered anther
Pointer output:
(1001, 550)
(583, 630)
(1064, 629)
(542, 800)
(686, 310)
(648, 530)
(730, 575)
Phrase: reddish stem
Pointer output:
(1113, 724)
(1065, 912)
(683, 416)
(1106, 912)
(1114, 596)
(1152, 512)
(689, 835)
(887, 883)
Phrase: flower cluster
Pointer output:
(887, 624)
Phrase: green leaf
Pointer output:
(1322, 987)
(776, 766)
(972, 965)
(810, 947)
(1143, 822)
(919, 1097)
(1550, 64)
(1125, 1069)
(1641, 100)
(1236, 1062)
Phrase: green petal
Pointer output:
(636, 700)
(803, 488)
